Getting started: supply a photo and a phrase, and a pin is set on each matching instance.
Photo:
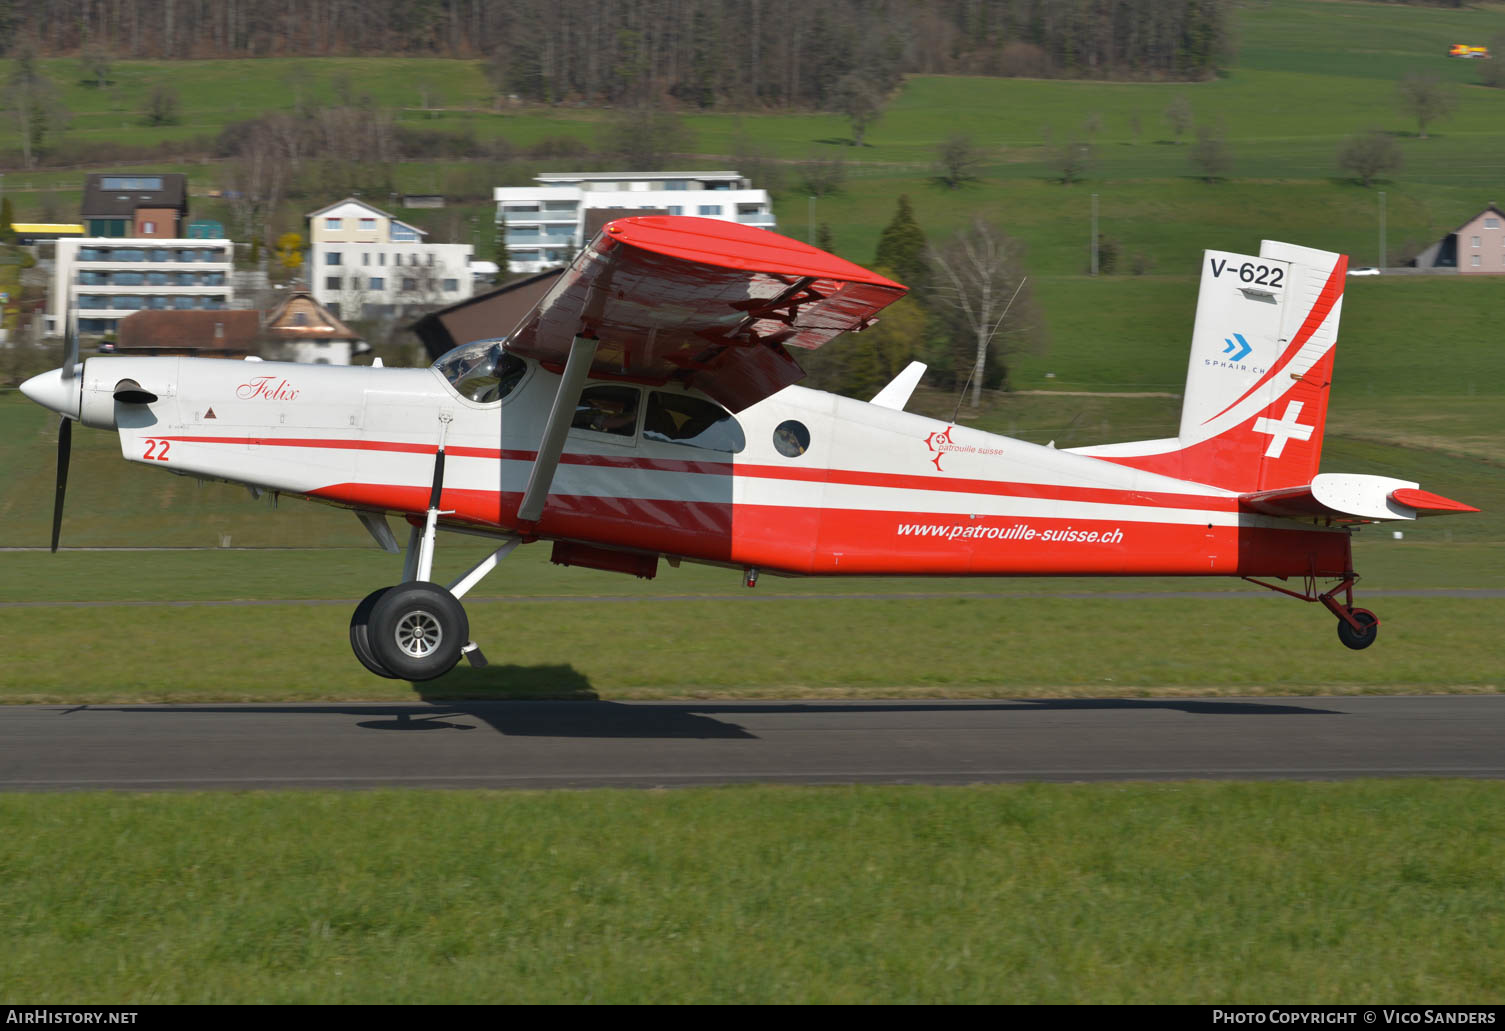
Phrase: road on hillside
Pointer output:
(665, 744)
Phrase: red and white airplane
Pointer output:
(646, 408)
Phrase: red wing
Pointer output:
(713, 304)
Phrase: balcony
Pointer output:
(538, 240)
(756, 218)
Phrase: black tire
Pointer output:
(416, 630)
(359, 637)
(1355, 639)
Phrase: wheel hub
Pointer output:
(419, 633)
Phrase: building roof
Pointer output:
(169, 330)
(99, 202)
(1491, 206)
(301, 317)
(369, 207)
(614, 176)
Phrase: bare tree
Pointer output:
(1369, 154)
(161, 106)
(1210, 153)
(1178, 115)
(818, 177)
(861, 100)
(956, 158)
(1492, 72)
(1073, 159)
(1426, 99)
(980, 273)
(646, 137)
(94, 65)
(33, 101)
(255, 180)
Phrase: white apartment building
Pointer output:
(363, 263)
(100, 280)
(545, 224)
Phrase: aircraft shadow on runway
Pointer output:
(588, 716)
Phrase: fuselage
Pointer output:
(821, 484)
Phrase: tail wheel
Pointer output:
(416, 630)
(1357, 639)
(360, 642)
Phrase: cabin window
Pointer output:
(611, 410)
(692, 421)
(791, 439)
(482, 371)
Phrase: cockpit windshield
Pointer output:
(482, 371)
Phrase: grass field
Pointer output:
(1181, 893)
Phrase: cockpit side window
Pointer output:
(692, 421)
(482, 371)
(608, 410)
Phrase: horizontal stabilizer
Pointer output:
(1351, 498)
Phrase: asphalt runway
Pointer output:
(667, 744)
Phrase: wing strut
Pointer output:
(551, 444)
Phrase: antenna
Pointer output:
(957, 410)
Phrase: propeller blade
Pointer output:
(70, 349)
(64, 449)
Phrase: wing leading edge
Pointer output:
(713, 304)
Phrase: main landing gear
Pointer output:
(417, 630)
(1357, 628)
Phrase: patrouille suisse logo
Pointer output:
(940, 443)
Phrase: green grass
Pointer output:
(1183, 893)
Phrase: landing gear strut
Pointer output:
(1357, 628)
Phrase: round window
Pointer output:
(791, 439)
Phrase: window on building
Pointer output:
(368, 225)
(365, 258)
(157, 278)
(431, 259)
(182, 303)
(300, 318)
(378, 283)
(1474, 261)
(522, 256)
(120, 182)
(451, 285)
(381, 259)
(187, 279)
(410, 285)
(1476, 241)
(128, 278)
(331, 282)
(1491, 223)
(676, 209)
(148, 227)
(331, 223)
(332, 258)
(710, 209)
(676, 184)
(403, 234)
(162, 254)
(113, 227)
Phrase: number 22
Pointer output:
(151, 445)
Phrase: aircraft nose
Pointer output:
(50, 390)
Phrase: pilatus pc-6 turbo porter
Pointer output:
(646, 408)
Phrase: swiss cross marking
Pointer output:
(1284, 429)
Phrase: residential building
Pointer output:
(545, 224)
(310, 333)
(135, 205)
(100, 280)
(196, 334)
(1475, 248)
(364, 263)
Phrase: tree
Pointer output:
(978, 274)
(33, 101)
(824, 239)
(861, 100)
(7, 217)
(1426, 99)
(902, 248)
(289, 251)
(1073, 159)
(819, 177)
(644, 137)
(1178, 115)
(956, 158)
(1369, 154)
(94, 65)
(1210, 154)
(500, 256)
(1492, 72)
(161, 106)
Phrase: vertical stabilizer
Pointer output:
(1260, 371)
